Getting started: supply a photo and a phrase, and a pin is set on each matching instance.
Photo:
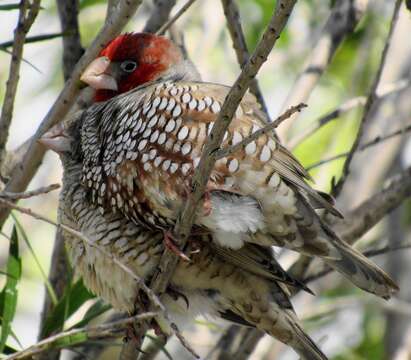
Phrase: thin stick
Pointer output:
(33, 39)
(29, 194)
(377, 140)
(180, 12)
(371, 99)
(232, 14)
(254, 136)
(27, 14)
(348, 105)
(77, 336)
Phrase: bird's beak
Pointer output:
(97, 75)
(55, 139)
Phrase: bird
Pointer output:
(143, 138)
(244, 286)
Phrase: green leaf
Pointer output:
(74, 296)
(8, 7)
(9, 294)
(98, 308)
(46, 281)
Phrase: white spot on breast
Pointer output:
(146, 133)
(157, 161)
(183, 133)
(171, 125)
(215, 107)
(265, 154)
(237, 137)
(185, 168)
(192, 104)
(177, 111)
(173, 91)
(169, 144)
(152, 154)
(151, 112)
(142, 144)
(154, 136)
(186, 148)
(166, 165)
(201, 105)
(233, 165)
(162, 138)
(161, 120)
(153, 121)
(163, 104)
(171, 104)
(147, 166)
(146, 108)
(138, 126)
(156, 101)
(144, 158)
(177, 147)
(173, 168)
(274, 180)
(208, 100)
(196, 162)
(251, 148)
(186, 98)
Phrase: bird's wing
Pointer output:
(141, 149)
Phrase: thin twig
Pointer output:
(254, 136)
(29, 194)
(24, 171)
(342, 21)
(371, 99)
(348, 105)
(232, 15)
(150, 294)
(77, 336)
(159, 15)
(377, 140)
(170, 22)
(33, 39)
(27, 14)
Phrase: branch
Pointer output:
(27, 14)
(24, 171)
(342, 21)
(33, 39)
(29, 194)
(159, 15)
(254, 136)
(371, 99)
(377, 140)
(76, 336)
(386, 91)
(180, 12)
(235, 29)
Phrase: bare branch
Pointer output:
(180, 12)
(254, 136)
(348, 105)
(27, 14)
(232, 15)
(159, 15)
(80, 335)
(24, 171)
(72, 49)
(371, 99)
(33, 39)
(343, 19)
(377, 140)
(29, 194)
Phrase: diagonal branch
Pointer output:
(27, 14)
(24, 171)
(232, 14)
(343, 19)
(371, 99)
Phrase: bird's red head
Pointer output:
(128, 61)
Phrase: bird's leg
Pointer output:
(170, 244)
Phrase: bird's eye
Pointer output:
(128, 66)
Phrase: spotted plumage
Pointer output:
(245, 286)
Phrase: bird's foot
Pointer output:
(169, 242)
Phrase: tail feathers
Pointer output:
(362, 272)
(304, 345)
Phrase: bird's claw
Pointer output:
(169, 242)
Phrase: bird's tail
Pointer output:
(361, 271)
